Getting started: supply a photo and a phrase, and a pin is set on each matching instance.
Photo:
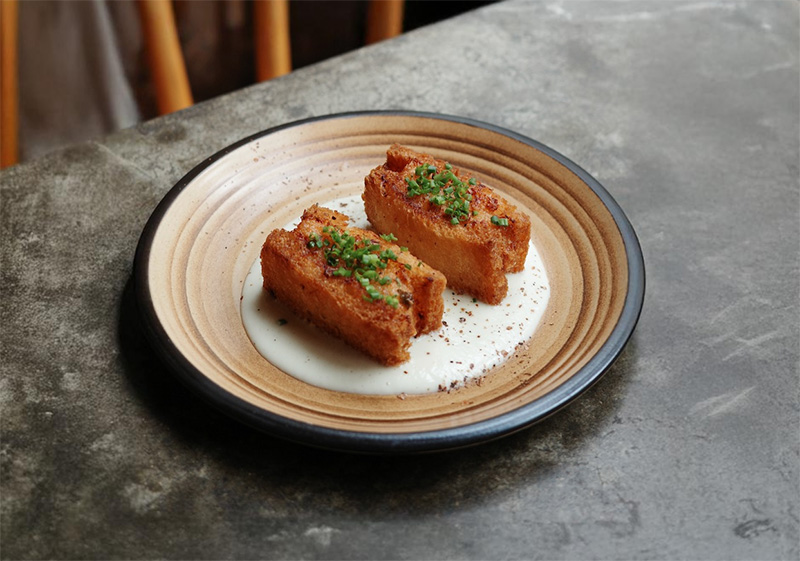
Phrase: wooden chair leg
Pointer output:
(273, 53)
(163, 47)
(384, 20)
(9, 85)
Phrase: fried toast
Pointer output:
(353, 283)
(451, 221)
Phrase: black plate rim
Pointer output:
(388, 443)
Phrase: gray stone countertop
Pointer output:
(687, 112)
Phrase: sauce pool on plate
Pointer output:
(475, 337)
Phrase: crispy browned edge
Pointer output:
(474, 256)
(300, 277)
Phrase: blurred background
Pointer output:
(83, 71)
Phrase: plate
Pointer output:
(203, 237)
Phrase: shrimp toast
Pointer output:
(353, 283)
(451, 221)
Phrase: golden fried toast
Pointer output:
(451, 221)
(353, 283)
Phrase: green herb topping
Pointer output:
(499, 221)
(442, 189)
(355, 257)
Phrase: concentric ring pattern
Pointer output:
(204, 236)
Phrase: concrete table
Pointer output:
(687, 112)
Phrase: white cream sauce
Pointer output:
(475, 337)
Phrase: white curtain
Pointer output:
(72, 80)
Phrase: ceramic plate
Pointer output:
(202, 239)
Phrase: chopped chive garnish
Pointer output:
(370, 259)
(361, 259)
(389, 237)
(499, 221)
(443, 188)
